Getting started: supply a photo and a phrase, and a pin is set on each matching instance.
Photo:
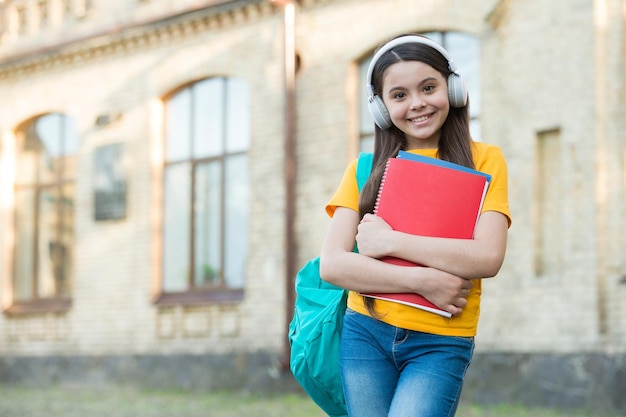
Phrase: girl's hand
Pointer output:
(373, 237)
(446, 291)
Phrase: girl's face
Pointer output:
(416, 96)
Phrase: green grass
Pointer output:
(509, 410)
(127, 402)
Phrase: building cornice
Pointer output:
(138, 35)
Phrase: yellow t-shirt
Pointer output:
(488, 159)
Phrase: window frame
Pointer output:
(194, 294)
(58, 302)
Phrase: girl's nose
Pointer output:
(417, 102)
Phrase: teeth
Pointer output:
(420, 119)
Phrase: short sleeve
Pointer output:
(347, 194)
(491, 161)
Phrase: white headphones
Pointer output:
(457, 92)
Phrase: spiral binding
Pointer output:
(382, 184)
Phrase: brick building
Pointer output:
(148, 234)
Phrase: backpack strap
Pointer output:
(363, 168)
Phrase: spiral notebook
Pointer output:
(428, 197)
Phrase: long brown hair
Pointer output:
(455, 143)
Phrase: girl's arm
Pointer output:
(357, 272)
(480, 257)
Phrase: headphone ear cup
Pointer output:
(379, 112)
(457, 91)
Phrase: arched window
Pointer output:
(44, 215)
(465, 49)
(206, 189)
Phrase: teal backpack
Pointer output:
(315, 331)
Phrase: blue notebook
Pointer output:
(435, 161)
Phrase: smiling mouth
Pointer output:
(420, 119)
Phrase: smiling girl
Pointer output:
(397, 360)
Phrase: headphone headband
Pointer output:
(401, 41)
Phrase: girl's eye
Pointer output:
(399, 95)
(429, 88)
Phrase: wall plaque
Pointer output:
(109, 182)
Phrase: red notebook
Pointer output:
(428, 197)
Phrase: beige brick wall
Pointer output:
(545, 67)
(555, 71)
(115, 264)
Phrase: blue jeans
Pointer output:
(392, 372)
